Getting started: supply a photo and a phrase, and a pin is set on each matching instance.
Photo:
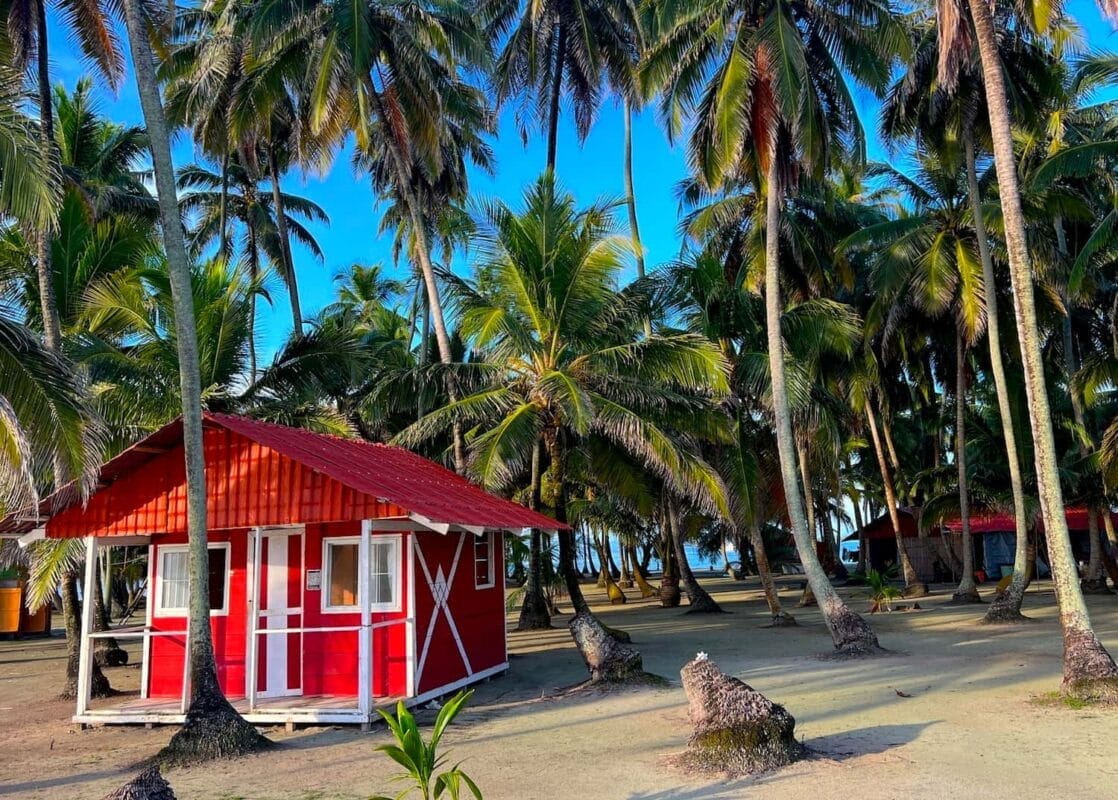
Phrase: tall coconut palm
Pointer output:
(570, 369)
(26, 30)
(1089, 670)
(920, 106)
(212, 727)
(929, 264)
(768, 93)
(559, 47)
(387, 66)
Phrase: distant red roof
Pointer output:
(1004, 523)
(391, 474)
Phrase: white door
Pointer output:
(278, 589)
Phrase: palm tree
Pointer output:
(216, 201)
(561, 46)
(768, 96)
(392, 67)
(569, 370)
(26, 29)
(212, 727)
(29, 181)
(919, 106)
(929, 264)
(1089, 670)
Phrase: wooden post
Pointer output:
(185, 699)
(365, 642)
(411, 689)
(85, 652)
(254, 620)
(145, 667)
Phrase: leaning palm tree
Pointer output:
(569, 368)
(1089, 670)
(767, 89)
(212, 727)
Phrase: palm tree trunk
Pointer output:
(700, 600)
(567, 543)
(1006, 607)
(613, 591)
(625, 577)
(669, 575)
(780, 617)
(534, 614)
(913, 585)
(254, 274)
(966, 592)
(289, 277)
(52, 326)
(423, 254)
(887, 431)
(223, 208)
(849, 631)
(556, 94)
(631, 201)
(71, 619)
(212, 728)
(809, 493)
(1089, 670)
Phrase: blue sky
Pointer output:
(591, 171)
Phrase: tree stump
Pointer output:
(607, 659)
(148, 785)
(1090, 674)
(738, 731)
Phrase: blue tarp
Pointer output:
(999, 549)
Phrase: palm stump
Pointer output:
(148, 785)
(608, 659)
(738, 730)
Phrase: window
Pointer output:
(341, 578)
(172, 589)
(483, 561)
(384, 573)
(340, 562)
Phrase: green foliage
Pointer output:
(882, 591)
(422, 763)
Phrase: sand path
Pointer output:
(972, 728)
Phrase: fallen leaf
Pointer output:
(902, 694)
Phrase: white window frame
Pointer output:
(487, 537)
(396, 540)
(324, 591)
(159, 609)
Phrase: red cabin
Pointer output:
(344, 575)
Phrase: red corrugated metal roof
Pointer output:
(393, 474)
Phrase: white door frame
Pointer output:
(271, 543)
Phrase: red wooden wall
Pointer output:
(229, 631)
(479, 614)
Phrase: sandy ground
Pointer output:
(976, 724)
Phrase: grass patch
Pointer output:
(1056, 699)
